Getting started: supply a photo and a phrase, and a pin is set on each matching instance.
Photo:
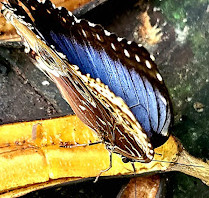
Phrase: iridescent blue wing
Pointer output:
(92, 101)
(124, 66)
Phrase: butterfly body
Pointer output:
(113, 86)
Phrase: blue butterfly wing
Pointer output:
(135, 89)
(126, 68)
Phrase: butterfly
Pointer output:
(113, 85)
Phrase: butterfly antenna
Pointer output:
(179, 163)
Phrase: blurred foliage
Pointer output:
(189, 85)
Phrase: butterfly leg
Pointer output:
(83, 145)
(110, 166)
(134, 168)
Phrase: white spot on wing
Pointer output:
(98, 37)
(148, 64)
(126, 53)
(77, 20)
(91, 24)
(107, 33)
(152, 57)
(137, 58)
(119, 39)
(113, 46)
(41, 1)
(53, 6)
(70, 13)
(159, 77)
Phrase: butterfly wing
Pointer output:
(125, 67)
(91, 100)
